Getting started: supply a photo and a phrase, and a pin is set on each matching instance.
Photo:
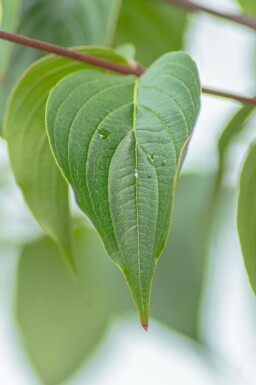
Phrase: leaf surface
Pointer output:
(35, 170)
(246, 219)
(119, 141)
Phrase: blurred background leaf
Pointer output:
(60, 330)
(83, 22)
(58, 327)
(236, 125)
(248, 6)
(178, 285)
(246, 219)
(10, 10)
(153, 26)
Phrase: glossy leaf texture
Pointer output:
(35, 170)
(235, 126)
(83, 22)
(246, 214)
(60, 330)
(119, 141)
(154, 27)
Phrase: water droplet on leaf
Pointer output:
(136, 174)
(103, 134)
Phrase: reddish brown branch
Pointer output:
(238, 98)
(247, 21)
(123, 69)
(58, 50)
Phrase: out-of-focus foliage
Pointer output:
(61, 330)
(90, 22)
(246, 218)
(9, 13)
(60, 22)
(153, 26)
(1, 12)
(248, 6)
(235, 126)
(61, 325)
(177, 289)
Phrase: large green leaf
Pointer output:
(63, 22)
(119, 141)
(154, 27)
(34, 167)
(246, 218)
(59, 329)
(248, 6)
(236, 125)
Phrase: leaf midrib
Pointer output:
(136, 177)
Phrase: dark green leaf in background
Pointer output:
(119, 141)
(153, 26)
(246, 218)
(63, 22)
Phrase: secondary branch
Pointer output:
(98, 62)
(194, 7)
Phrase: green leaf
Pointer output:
(152, 26)
(236, 125)
(246, 214)
(59, 329)
(1, 12)
(248, 6)
(9, 12)
(70, 23)
(119, 141)
(126, 50)
(83, 22)
(35, 170)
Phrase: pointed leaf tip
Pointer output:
(120, 141)
(145, 326)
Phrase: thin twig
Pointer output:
(67, 52)
(238, 98)
(241, 19)
(123, 69)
